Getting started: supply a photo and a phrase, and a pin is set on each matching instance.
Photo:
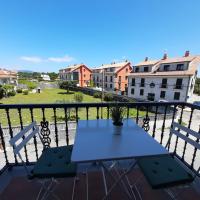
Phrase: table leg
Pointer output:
(119, 180)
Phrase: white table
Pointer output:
(96, 140)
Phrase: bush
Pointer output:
(97, 95)
(25, 92)
(30, 85)
(19, 90)
(2, 92)
(11, 93)
(78, 97)
(8, 87)
(108, 97)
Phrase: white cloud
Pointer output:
(33, 59)
(65, 58)
(37, 59)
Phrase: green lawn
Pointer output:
(50, 96)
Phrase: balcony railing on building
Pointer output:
(179, 87)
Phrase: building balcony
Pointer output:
(178, 87)
(142, 85)
(163, 86)
(154, 118)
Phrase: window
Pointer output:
(126, 77)
(142, 82)
(137, 69)
(120, 79)
(132, 91)
(106, 85)
(146, 69)
(126, 70)
(166, 67)
(97, 79)
(111, 86)
(84, 75)
(162, 94)
(176, 95)
(164, 83)
(151, 96)
(179, 83)
(133, 82)
(179, 67)
(141, 92)
(84, 70)
(106, 78)
(111, 79)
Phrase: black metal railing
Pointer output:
(55, 120)
(179, 87)
(163, 86)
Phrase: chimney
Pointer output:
(146, 59)
(164, 56)
(187, 53)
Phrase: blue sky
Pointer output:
(43, 35)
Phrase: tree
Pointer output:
(53, 76)
(2, 92)
(78, 97)
(65, 85)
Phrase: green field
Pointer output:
(50, 96)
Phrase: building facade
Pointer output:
(112, 77)
(77, 73)
(168, 79)
(8, 77)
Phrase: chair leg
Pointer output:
(74, 185)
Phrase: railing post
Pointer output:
(34, 137)
(55, 124)
(10, 130)
(3, 145)
(163, 126)
(21, 125)
(66, 126)
(146, 120)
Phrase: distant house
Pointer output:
(8, 77)
(77, 73)
(45, 77)
(112, 77)
(167, 79)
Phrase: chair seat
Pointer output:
(56, 163)
(164, 171)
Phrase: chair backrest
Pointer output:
(179, 130)
(23, 137)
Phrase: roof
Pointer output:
(169, 73)
(7, 73)
(194, 61)
(178, 59)
(112, 65)
(72, 68)
(148, 62)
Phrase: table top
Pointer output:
(96, 140)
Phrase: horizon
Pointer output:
(48, 36)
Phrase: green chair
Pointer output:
(166, 171)
(53, 163)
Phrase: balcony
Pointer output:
(163, 86)
(154, 118)
(178, 87)
(142, 84)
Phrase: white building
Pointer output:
(8, 77)
(45, 77)
(168, 79)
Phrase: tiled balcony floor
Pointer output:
(19, 187)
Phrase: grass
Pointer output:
(51, 96)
